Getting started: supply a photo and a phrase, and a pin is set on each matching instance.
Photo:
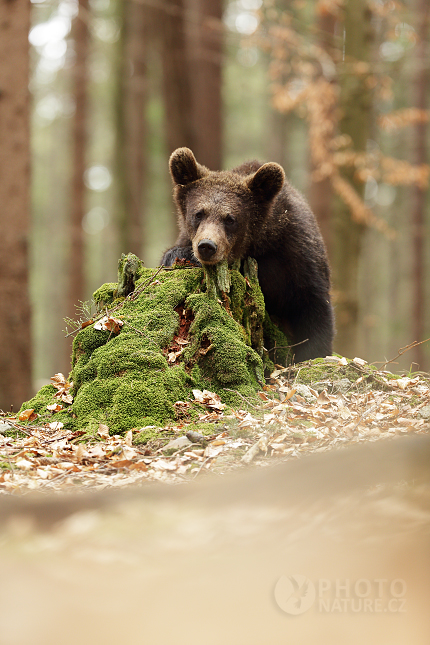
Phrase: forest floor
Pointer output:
(292, 420)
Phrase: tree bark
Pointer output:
(15, 338)
(321, 192)
(420, 193)
(79, 134)
(355, 104)
(176, 78)
(131, 105)
(204, 36)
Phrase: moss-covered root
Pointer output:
(218, 280)
(129, 270)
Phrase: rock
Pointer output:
(321, 386)
(196, 437)
(342, 386)
(424, 413)
(5, 427)
(176, 444)
(304, 391)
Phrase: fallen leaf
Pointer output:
(108, 323)
(359, 361)
(80, 452)
(138, 465)
(209, 398)
(24, 464)
(55, 425)
(54, 407)
(122, 463)
(103, 431)
(28, 415)
(323, 398)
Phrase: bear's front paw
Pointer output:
(179, 253)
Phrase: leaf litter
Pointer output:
(293, 419)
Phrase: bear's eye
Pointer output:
(199, 216)
(229, 221)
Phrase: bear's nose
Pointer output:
(206, 249)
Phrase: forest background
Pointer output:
(96, 94)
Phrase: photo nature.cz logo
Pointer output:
(296, 594)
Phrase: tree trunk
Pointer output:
(15, 338)
(79, 135)
(131, 104)
(355, 122)
(204, 38)
(321, 192)
(176, 77)
(420, 193)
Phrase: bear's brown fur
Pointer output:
(252, 210)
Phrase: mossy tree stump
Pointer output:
(182, 329)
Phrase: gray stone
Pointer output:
(342, 386)
(304, 391)
(424, 413)
(176, 444)
(5, 427)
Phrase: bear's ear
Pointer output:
(267, 181)
(184, 167)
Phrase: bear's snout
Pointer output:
(207, 249)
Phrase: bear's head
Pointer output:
(223, 211)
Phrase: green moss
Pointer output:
(129, 380)
(202, 428)
(320, 369)
(276, 343)
(44, 397)
(104, 295)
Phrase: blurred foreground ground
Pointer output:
(232, 559)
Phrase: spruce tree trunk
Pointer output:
(15, 337)
(79, 134)
(420, 193)
(131, 104)
(321, 192)
(355, 104)
(204, 44)
(176, 79)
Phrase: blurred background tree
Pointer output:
(334, 90)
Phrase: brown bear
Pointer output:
(253, 211)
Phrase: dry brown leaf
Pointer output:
(323, 398)
(121, 463)
(103, 431)
(359, 361)
(28, 415)
(55, 425)
(209, 398)
(80, 453)
(54, 407)
(58, 380)
(138, 465)
(108, 323)
(24, 464)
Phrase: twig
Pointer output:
(203, 464)
(256, 407)
(140, 333)
(288, 346)
(369, 410)
(403, 350)
(131, 296)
